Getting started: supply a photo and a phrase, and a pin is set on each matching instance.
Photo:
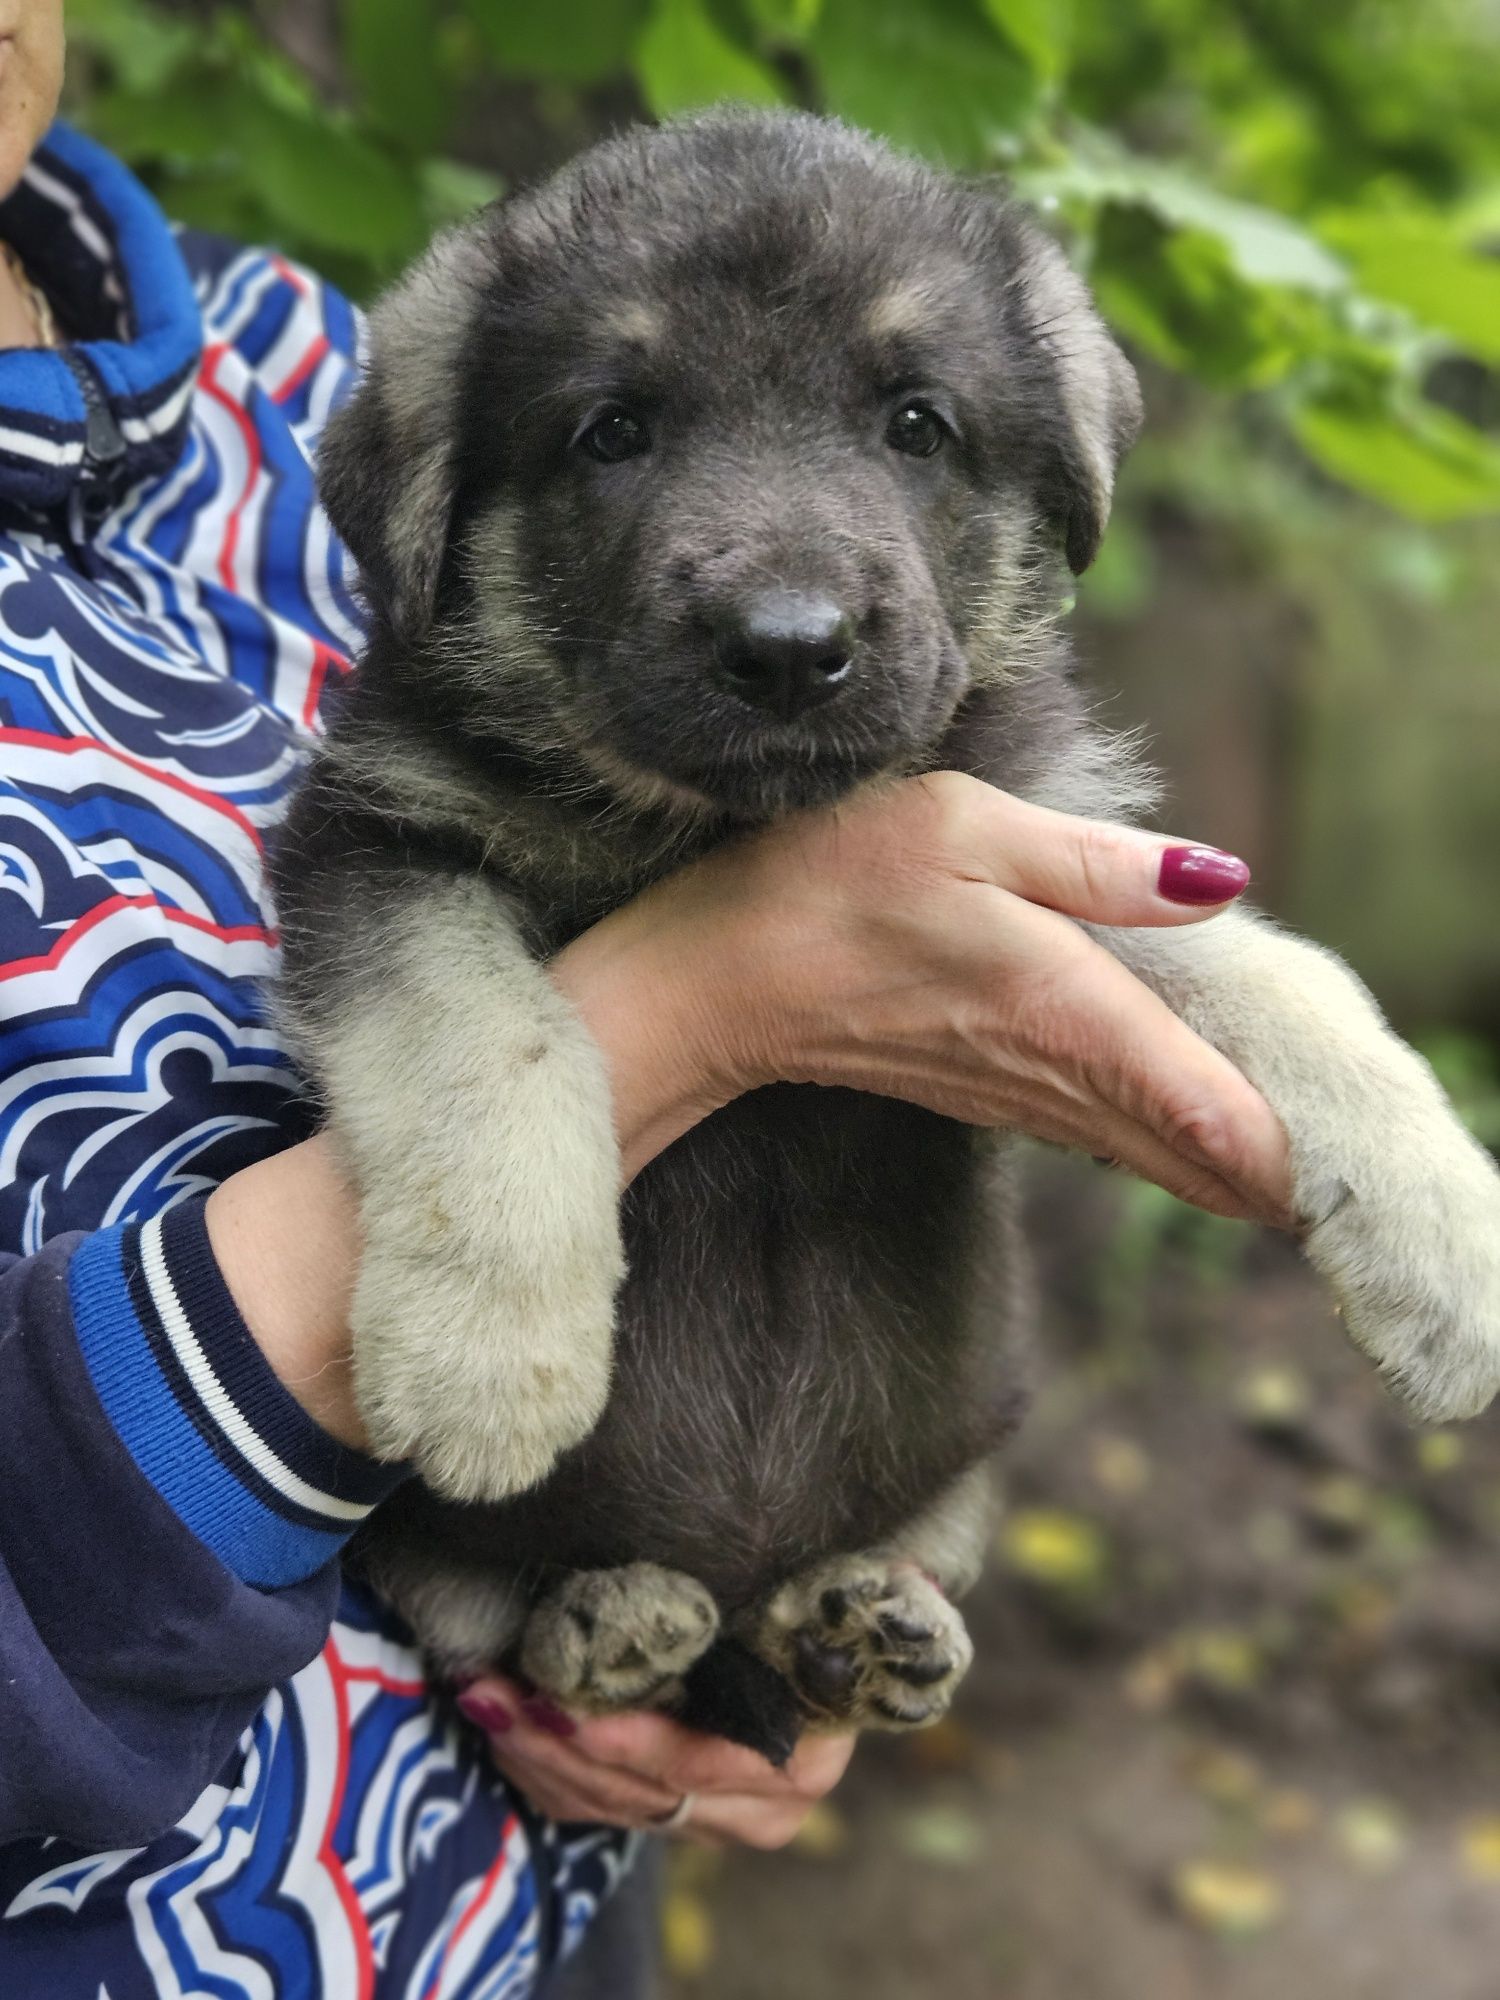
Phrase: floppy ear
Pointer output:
(387, 462)
(1101, 399)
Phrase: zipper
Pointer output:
(103, 441)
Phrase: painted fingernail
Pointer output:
(1201, 875)
(486, 1713)
(546, 1715)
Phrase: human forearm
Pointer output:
(286, 1231)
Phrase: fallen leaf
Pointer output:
(1058, 1550)
(1151, 1681)
(1221, 1658)
(1289, 1813)
(1276, 1400)
(1372, 1833)
(1440, 1451)
(824, 1833)
(1120, 1467)
(942, 1834)
(1479, 1846)
(942, 1749)
(687, 1934)
(1226, 1898)
(1340, 1507)
(1228, 1777)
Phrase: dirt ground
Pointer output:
(1234, 1725)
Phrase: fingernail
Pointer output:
(486, 1713)
(1201, 875)
(546, 1715)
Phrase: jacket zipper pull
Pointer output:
(103, 441)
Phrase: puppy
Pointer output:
(739, 465)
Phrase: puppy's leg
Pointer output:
(611, 1639)
(466, 1620)
(871, 1641)
(473, 1112)
(1403, 1206)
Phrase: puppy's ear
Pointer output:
(1101, 409)
(387, 463)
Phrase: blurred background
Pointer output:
(1235, 1725)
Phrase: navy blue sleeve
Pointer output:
(170, 1522)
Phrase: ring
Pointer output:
(679, 1816)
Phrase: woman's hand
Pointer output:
(636, 1770)
(919, 942)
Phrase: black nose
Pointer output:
(785, 651)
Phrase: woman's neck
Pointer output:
(18, 327)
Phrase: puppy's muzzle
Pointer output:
(785, 652)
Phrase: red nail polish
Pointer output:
(486, 1713)
(546, 1715)
(1201, 875)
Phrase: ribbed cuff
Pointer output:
(201, 1410)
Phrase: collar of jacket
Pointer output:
(111, 407)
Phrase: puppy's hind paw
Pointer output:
(612, 1639)
(866, 1643)
(1417, 1275)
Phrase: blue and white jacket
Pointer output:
(217, 1775)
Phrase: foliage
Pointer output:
(1296, 205)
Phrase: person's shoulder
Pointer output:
(263, 303)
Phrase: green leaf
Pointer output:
(393, 49)
(569, 41)
(937, 78)
(1263, 247)
(1178, 293)
(1042, 30)
(332, 186)
(141, 45)
(683, 61)
(452, 189)
(1420, 263)
(788, 22)
(1417, 459)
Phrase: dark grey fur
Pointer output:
(816, 1335)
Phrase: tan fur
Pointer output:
(473, 1111)
(1402, 1204)
(612, 1639)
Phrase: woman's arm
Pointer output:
(154, 1582)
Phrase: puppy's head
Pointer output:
(730, 459)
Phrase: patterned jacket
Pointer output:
(219, 1774)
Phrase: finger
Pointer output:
(1125, 1075)
(1184, 1106)
(547, 1769)
(1092, 868)
(744, 1820)
(681, 1759)
(818, 1762)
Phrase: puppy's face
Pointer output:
(729, 459)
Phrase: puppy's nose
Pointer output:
(785, 651)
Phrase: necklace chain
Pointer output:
(36, 299)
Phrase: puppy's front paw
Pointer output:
(866, 1643)
(1416, 1268)
(612, 1639)
(476, 1383)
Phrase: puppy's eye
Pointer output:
(916, 429)
(613, 436)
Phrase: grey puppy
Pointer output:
(739, 465)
